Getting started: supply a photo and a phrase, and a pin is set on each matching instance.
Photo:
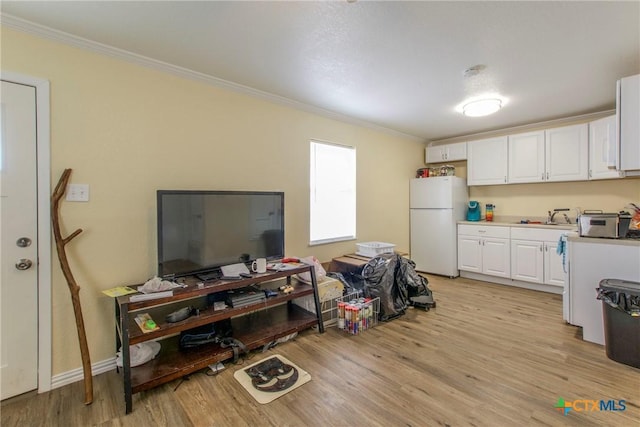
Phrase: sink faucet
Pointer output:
(555, 211)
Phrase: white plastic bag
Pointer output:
(320, 271)
(139, 353)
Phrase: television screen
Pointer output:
(199, 231)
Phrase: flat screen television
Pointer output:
(200, 231)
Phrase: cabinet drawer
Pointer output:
(484, 230)
(539, 234)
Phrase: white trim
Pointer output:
(25, 26)
(43, 148)
(77, 374)
(552, 289)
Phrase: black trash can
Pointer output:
(621, 316)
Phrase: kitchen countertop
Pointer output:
(574, 237)
(516, 223)
(572, 231)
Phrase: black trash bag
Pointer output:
(620, 299)
(380, 282)
(394, 280)
(420, 295)
(353, 283)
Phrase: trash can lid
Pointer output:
(617, 285)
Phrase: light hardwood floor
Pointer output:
(488, 355)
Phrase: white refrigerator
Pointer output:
(436, 204)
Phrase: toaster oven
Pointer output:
(605, 225)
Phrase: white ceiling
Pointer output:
(398, 65)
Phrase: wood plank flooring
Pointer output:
(488, 355)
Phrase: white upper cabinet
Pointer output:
(446, 153)
(487, 161)
(526, 157)
(603, 149)
(628, 111)
(567, 153)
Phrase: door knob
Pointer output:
(24, 264)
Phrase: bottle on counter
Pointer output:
(489, 214)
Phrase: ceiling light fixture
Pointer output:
(481, 107)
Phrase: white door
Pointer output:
(470, 253)
(431, 193)
(567, 153)
(527, 261)
(436, 154)
(433, 241)
(526, 157)
(496, 257)
(487, 161)
(457, 151)
(18, 217)
(554, 271)
(602, 149)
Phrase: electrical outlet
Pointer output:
(77, 193)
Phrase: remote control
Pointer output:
(229, 277)
(247, 275)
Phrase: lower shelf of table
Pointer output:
(253, 330)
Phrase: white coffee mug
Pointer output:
(259, 265)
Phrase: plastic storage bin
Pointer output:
(621, 318)
(372, 249)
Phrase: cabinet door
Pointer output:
(554, 273)
(435, 154)
(496, 257)
(602, 149)
(487, 161)
(628, 107)
(566, 153)
(469, 253)
(527, 261)
(526, 157)
(457, 151)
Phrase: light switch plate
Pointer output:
(77, 193)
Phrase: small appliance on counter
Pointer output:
(604, 225)
(473, 211)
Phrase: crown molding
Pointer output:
(42, 31)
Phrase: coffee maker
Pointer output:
(473, 211)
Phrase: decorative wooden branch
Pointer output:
(57, 196)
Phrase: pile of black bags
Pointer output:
(394, 280)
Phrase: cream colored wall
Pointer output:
(534, 200)
(128, 131)
(529, 201)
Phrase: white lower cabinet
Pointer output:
(484, 249)
(527, 260)
(518, 254)
(534, 256)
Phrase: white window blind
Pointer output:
(333, 193)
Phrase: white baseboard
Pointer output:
(509, 282)
(74, 375)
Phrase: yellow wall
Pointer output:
(527, 201)
(128, 131)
